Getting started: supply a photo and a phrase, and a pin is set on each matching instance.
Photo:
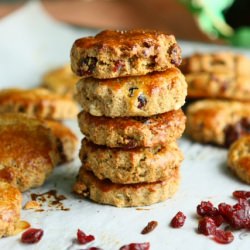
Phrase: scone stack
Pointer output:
(131, 94)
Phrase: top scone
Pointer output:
(113, 54)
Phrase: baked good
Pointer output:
(114, 53)
(37, 102)
(61, 81)
(66, 140)
(217, 121)
(127, 166)
(130, 132)
(28, 151)
(239, 158)
(131, 195)
(10, 207)
(147, 95)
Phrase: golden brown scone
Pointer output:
(239, 158)
(126, 166)
(216, 121)
(155, 93)
(28, 151)
(66, 140)
(10, 207)
(37, 102)
(61, 81)
(130, 132)
(131, 195)
(113, 53)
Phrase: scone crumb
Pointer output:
(32, 205)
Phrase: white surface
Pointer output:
(31, 43)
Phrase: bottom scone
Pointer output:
(10, 207)
(239, 158)
(130, 195)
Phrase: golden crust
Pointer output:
(37, 102)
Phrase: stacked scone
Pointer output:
(131, 93)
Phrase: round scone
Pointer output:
(130, 195)
(130, 132)
(126, 166)
(37, 102)
(28, 151)
(113, 54)
(10, 207)
(155, 93)
(217, 121)
(239, 158)
(61, 81)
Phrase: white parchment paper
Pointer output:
(31, 43)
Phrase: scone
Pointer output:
(28, 151)
(217, 121)
(131, 195)
(10, 207)
(155, 93)
(128, 166)
(239, 158)
(61, 81)
(66, 140)
(130, 132)
(37, 102)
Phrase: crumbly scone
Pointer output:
(28, 151)
(113, 53)
(131, 195)
(130, 132)
(155, 93)
(66, 140)
(10, 208)
(61, 81)
(216, 62)
(37, 102)
(239, 158)
(217, 121)
(126, 166)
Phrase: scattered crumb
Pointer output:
(32, 205)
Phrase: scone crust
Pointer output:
(239, 158)
(114, 53)
(37, 102)
(130, 132)
(155, 93)
(10, 207)
(207, 120)
(126, 166)
(142, 194)
(28, 151)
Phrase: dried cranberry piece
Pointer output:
(206, 226)
(119, 64)
(93, 248)
(223, 237)
(178, 220)
(83, 238)
(206, 208)
(142, 101)
(32, 235)
(136, 246)
(241, 194)
(150, 227)
(218, 219)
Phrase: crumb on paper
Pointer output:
(32, 205)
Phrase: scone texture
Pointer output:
(147, 95)
(239, 158)
(114, 53)
(10, 207)
(217, 121)
(126, 166)
(37, 102)
(132, 195)
(130, 132)
(28, 151)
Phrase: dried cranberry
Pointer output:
(241, 194)
(142, 101)
(150, 227)
(32, 235)
(206, 226)
(178, 220)
(83, 238)
(218, 219)
(223, 237)
(119, 64)
(136, 246)
(206, 208)
(93, 248)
